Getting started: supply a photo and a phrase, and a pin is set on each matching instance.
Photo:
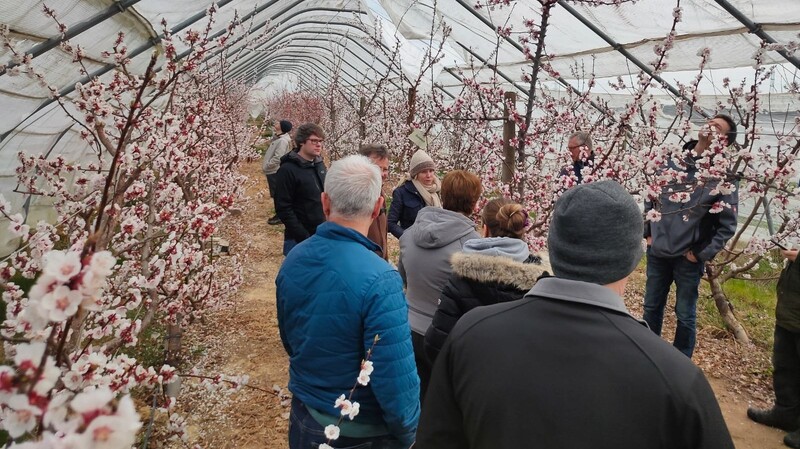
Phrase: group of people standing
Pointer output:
(504, 348)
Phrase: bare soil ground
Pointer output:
(242, 338)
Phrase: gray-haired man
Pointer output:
(334, 295)
(581, 153)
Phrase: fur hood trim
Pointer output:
(483, 268)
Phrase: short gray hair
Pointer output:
(353, 185)
(583, 138)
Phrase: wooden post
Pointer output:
(509, 130)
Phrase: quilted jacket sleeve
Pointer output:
(394, 380)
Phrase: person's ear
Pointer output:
(326, 205)
(485, 230)
(377, 209)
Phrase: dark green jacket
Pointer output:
(787, 313)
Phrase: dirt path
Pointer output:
(242, 338)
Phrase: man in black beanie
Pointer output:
(567, 366)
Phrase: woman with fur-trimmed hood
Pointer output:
(496, 268)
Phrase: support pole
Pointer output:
(756, 29)
(72, 31)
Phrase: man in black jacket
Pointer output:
(785, 414)
(300, 181)
(567, 366)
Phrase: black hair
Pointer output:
(732, 131)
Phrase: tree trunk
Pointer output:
(412, 105)
(362, 116)
(509, 162)
(726, 312)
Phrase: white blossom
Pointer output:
(62, 265)
(19, 416)
(363, 377)
(354, 409)
(331, 432)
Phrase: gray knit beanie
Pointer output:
(595, 233)
(420, 161)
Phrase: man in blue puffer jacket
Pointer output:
(334, 295)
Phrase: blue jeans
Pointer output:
(661, 273)
(306, 433)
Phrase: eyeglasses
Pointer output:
(316, 141)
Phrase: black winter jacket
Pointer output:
(787, 312)
(566, 367)
(478, 280)
(406, 203)
(298, 204)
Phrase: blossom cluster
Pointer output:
(131, 245)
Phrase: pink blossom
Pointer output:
(653, 215)
(61, 303)
(17, 226)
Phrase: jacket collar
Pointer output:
(578, 292)
(333, 231)
(293, 156)
(503, 270)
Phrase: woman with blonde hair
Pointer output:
(496, 268)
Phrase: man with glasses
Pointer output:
(300, 181)
(580, 150)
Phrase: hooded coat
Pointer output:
(280, 145)
(488, 271)
(425, 251)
